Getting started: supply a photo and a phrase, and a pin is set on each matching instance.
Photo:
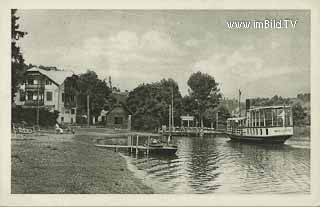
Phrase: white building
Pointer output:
(47, 88)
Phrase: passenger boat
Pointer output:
(269, 124)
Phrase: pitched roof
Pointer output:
(120, 104)
(58, 76)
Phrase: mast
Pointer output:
(239, 103)
(38, 111)
(170, 111)
(172, 122)
(88, 110)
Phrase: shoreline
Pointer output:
(142, 175)
(61, 163)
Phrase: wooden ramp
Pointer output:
(120, 146)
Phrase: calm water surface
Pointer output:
(215, 164)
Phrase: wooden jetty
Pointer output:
(190, 131)
(148, 148)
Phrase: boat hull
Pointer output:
(162, 150)
(279, 139)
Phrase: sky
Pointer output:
(144, 46)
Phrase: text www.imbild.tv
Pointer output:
(262, 24)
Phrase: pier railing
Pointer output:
(189, 130)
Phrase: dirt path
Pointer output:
(62, 164)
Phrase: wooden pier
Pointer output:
(147, 148)
(190, 131)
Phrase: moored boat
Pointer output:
(158, 147)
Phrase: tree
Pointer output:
(98, 91)
(150, 104)
(220, 112)
(298, 114)
(204, 91)
(17, 61)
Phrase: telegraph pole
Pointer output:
(88, 110)
(38, 111)
(170, 111)
(239, 103)
(217, 120)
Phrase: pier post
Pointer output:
(148, 145)
(137, 144)
(131, 143)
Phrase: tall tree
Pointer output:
(17, 61)
(220, 113)
(98, 91)
(204, 91)
(150, 104)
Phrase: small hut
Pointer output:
(119, 116)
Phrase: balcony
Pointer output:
(34, 86)
(34, 103)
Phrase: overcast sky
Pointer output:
(145, 46)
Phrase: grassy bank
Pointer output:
(64, 164)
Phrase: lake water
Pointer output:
(217, 165)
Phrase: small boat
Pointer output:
(268, 124)
(158, 147)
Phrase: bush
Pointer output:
(29, 115)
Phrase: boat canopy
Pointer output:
(236, 119)
(269, 107)
(267, 116)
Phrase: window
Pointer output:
(30, 81)
(22, 95)
(267, 132)
(71, 120)
(62, 119)
(260, 131)
(73, 111)
(118, 120)
(62, 97)
(49, 96)
(48, 82)
(29, 95)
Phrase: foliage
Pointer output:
(275, 100)
(300, 117)
(98, 91)
(223, 114)
(204, 92)
(150, 104)
(29, 116)
(17, 61)
(304, 97)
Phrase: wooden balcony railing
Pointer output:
(34, 102)
(34, 86)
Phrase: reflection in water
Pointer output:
(214, 164)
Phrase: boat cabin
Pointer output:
(271, 116)
(263, 121)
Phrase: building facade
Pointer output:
(118, 116)
(49, 89)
